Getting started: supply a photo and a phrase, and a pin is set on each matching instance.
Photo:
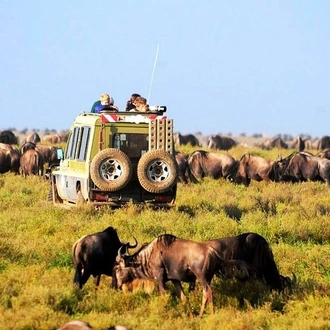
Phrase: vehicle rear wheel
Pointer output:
(157, 171)
(111, 169)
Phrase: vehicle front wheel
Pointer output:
(157, 171)
(111, 169)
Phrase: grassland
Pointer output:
(36, 272)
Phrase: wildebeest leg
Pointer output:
(192, 286)
(207, 298)
(179, 290)
(97, 281)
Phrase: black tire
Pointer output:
(49, 197)
(111, 169)
(157, 171)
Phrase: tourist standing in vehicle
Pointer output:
(129, 105)
(141, 105)
(106, 102)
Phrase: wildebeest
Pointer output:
(181, 159)
(51, 138)
(95, 255)
(298, 144)
(324, 143)
(81, 325)
(8, 137)
(49, 153)
(168, 258)
(255, 168)
(210, 164)
(33, 137)
(219, 142)
(276, 142)
(180, 139)
(255, 250)
(303, 166)
(32, 163)
(324, 154)
(9, 159)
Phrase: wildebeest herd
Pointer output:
(297, 167)
(169, 258)
(30, 157)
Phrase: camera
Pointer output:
(159, 108)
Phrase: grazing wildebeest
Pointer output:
(49, 153)
(255, 250)
(324, 143)
(303, 166)
(180, 140)
(168, 258)
(219, 142)
(8, 137)
(95, 255)
(32, 163)
(181, 159)
(210, 164)
(12, 156)
(274, 143)
(255, 168)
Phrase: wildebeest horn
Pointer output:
(120, 255)
(294, 278)
(129, 246)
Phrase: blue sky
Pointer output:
(242, 66)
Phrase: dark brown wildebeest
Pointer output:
(8, 137)
(95, 254)
(324, 154)
(49, 153)
(323, 143)
(210, 164)
(32, 163)
(181, 159)
(168, 258)
(4, 162)
(274, 143)
(303, 166)
(219, 142)
(255, 250)
(255, 168)
(180, 140)
(12, 156)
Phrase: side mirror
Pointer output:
(60, 153)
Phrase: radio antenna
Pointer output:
(153, 73)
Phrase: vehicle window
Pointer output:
(74, 143)
(133, 145)
(83, 143)
(69, 147)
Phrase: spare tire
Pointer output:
(111, 169)
(157, 171)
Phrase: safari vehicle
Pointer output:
(112, 158)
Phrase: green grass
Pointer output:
(36, 272)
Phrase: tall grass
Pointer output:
(36, 272)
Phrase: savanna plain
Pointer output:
(36, 270)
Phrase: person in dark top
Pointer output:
(129, 105)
